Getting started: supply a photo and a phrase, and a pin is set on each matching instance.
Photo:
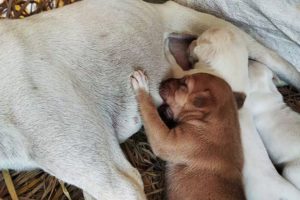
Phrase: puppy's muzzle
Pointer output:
(168, 87)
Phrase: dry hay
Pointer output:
(291, 97)
(23, 8)
(39, 185)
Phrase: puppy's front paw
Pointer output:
(139, 81)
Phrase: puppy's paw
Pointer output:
(139, 81)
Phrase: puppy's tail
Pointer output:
(177, 18)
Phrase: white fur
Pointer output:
(139, 81)
(261, 180)
(225, 54)
(277, 124)
(66, 99)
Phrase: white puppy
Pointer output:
(261, 180)
(224, 53)
(277, 124)
(65, 96)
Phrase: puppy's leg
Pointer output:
(193, 22)
(166, 143)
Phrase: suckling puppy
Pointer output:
(203, 152)
(224, 53)
(278, 125)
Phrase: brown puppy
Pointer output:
(203, 152)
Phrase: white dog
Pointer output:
(224, 53)
(66, 100)
(277, 124)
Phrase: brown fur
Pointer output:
(203, 152)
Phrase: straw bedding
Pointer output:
(39, 185)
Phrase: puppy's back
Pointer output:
(189, 184)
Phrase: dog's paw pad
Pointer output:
(139, 81)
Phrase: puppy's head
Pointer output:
(191, 49)
(222, 49)
(200, 94)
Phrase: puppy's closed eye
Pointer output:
(203, 99)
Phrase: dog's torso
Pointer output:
(79, 66)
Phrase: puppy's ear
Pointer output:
(178, 45)
(203, 99)
(240, 98)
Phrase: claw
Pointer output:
(139, 81)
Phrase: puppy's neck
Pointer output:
(194, 117)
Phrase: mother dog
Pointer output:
(65, 98)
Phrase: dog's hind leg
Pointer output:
(292, 173)
(14, 149)
(99, 177)
(285, 71)
(90, 158)
(187, 20)
(99, 168)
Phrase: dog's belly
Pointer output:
(127, 123)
